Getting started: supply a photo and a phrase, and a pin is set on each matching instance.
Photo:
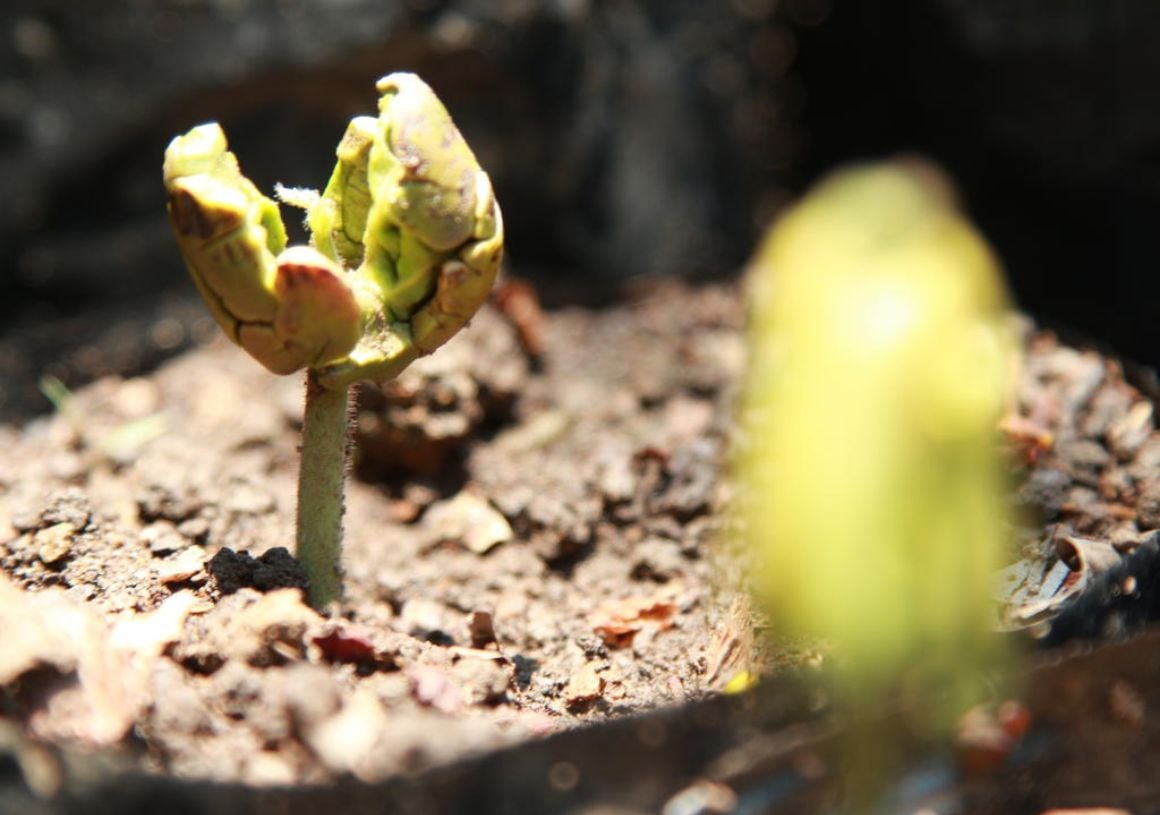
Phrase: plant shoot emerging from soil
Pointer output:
(406, 241)
(877, 505)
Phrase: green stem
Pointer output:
(321, 484)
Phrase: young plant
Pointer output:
(875, 498)
(406, 241)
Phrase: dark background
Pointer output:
(625, 139)
(1046, 113)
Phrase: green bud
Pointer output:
(407, 211)
(339, 218)
(881, 360)
(433, 238)
(289, 309)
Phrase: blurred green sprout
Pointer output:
(120, 443)
(874, 496)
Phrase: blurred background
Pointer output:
(627, 139)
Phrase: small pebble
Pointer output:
(54, 543)
(185, 566)
(162, 538)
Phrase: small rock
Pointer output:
(1109, 406)
(1045, 489)
(160, 501)
(426, 619)
(54, 544)
(615, 477)
(1147, 458)
(262, 630)
(67, 506)
(344, 740)
(136, 398)
(162, 538)
(537, 431)
(403, 511)
(585, 686)
(82, 591)
(1084, 454)
(1148, 506)
(1081, 374)
(195, 529)
(703, 797)
(658, 560)
(482, 681)
(421, 493)
(189, 563)
(692, 470)
(24, 518)
(470, 520)
(240, 691)
(264, 769)
(686, 419)
(1128, 433)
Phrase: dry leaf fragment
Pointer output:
(519, 303)
(1029, 437)
(618, 622)
(341, 644)
(732, 651)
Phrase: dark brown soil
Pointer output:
(533, 542)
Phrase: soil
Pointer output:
(533, 543)
(528, 547)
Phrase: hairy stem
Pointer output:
(321, 485)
